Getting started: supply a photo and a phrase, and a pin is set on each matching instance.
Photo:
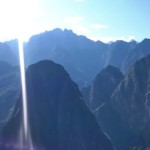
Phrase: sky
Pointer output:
(104, 20)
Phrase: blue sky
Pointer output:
(105, 20)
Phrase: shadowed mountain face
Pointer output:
(4, 68)
(58, 117)
(100, 91)
(9, 89)
(125, 113)
(131, 100)
(98, 96)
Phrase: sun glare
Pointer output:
(17, 17)
(23, 82)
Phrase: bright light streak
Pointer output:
(24, 93)
(18, 18)
(25, 136)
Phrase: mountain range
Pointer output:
(81, 57)
(111, 112)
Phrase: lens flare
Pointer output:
(23, 84)
(24, 137)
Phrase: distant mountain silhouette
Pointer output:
(140, 50)
(81, 57)
(118, 52)
(58, 117)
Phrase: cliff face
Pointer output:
(98, 98)
(58, 117)
(9, 90)
(131, 100)
(123, 109)
(100, 91)
(129, 109)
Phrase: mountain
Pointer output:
(4, 68)
(81, 57)
(9, 89)
(13, 44)
(124, 110)
(141, 50)
(131, 101)
(58, 117)
(98, 95)
(121, 104)
(118, 52)
(123, 54)
(6, 54)
(101, 89)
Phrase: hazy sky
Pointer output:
(97, 19)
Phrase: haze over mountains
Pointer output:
(81, 57)
(114, 79)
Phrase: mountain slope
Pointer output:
(98, 96)
(7, 55)
(141, 50)
(58, 117)
(128, 110)
(131, 99)
(124, 114)
(118, 52)
(100, 91)
(13, 44)
(9, 89)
